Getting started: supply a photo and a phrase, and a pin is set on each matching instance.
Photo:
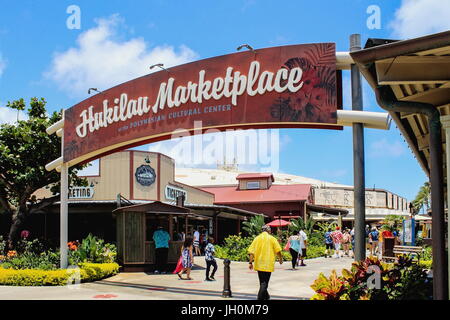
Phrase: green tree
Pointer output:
(253, 226)
(300, 224)
(392, 222)
(25, 149)
(422, 198)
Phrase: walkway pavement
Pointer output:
(285, 284)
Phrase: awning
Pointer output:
(326, 210)
(223, 208)
(155, 207)
(417, 70)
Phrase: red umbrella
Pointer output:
(278, 223)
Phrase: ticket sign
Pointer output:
(279, 87)
(172, 193)
(81, 192)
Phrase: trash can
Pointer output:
(388, 247)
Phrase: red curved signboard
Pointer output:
(289, 86)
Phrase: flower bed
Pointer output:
(31, 277)
(373, 279)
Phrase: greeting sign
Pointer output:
(289, 86)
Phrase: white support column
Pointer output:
(445, 120)
(64, 192)
(64, 207)
(63, 168)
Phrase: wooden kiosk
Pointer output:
(135, 227)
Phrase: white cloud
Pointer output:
(8, 115)
(256, 150)
(416, 18)
(101, 60)
(384, 148)
(2, 64)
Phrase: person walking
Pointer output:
(352, 234)
(196, 242)
(263, 251)
(187, 259)
(336, 235)
(161, 238)
(328, 243)
(210, 260)
(373, 239)
(294, 247)
(303, 243)
(346, 239)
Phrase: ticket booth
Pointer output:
(135, 227)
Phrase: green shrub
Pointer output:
(427, 253)
(48, 260)
(93, 249)
(234, 248)
(315, 251)
(30, 277)
(427, 264)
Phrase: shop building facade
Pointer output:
(142, 180)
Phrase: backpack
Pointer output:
(328, 238)
(374, 235)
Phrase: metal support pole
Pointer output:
(440, 279)
(387, 100)
(359, 204)
(446, 124)
(226, 281)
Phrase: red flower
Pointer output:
(310, 80)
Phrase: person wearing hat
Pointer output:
(263, 252)
(161, 238)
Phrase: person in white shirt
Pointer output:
(303, 243)
(197, 243)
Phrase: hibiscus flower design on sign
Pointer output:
(316, 100)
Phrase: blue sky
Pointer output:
(40, 56)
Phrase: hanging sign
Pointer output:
(290, 86)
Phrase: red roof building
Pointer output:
(254, 191)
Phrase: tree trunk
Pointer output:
(16, 224)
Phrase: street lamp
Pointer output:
(93, 89)
(159, 65)
(246, 46)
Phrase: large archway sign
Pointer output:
(289, 86)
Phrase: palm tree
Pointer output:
(422, 198)
(254, 225)
(300, 224)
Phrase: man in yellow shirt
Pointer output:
(262, 251)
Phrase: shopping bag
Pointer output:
(287, 246)
(179, 266)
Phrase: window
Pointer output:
(253, 185)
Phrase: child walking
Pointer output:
(210, 260)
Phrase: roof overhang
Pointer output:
(155, 207)
(327, 210)
(416, 70)
(223, 208)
